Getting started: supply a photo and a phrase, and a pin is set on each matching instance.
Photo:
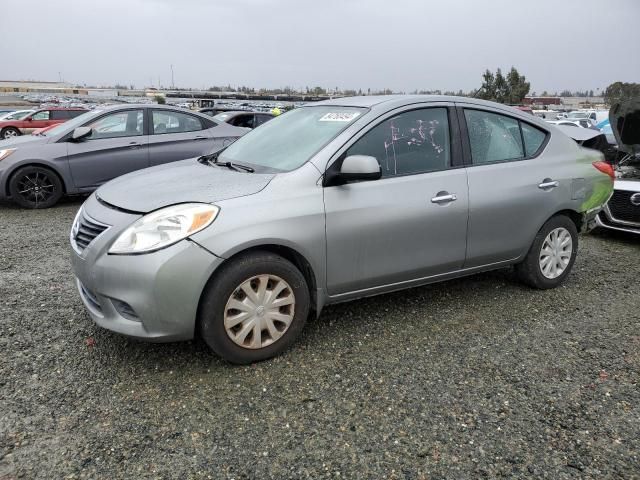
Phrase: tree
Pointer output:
(619, 92)
(498, 88)
(160, 99)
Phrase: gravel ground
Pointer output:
(473, 378)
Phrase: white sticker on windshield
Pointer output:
(338, 116)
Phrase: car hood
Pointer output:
(179, 182)
(624, 118)
(23, 141)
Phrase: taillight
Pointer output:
(605, 167)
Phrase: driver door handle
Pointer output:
(134, 145)
(200, 138)
(443, 197)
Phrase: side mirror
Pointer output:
(80, 133)
(359, 168)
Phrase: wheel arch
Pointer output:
(576, 217)
(285, 251)
(34, 163)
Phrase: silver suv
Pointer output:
(331, 202)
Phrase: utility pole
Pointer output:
(173, 84)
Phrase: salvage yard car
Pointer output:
(82, 154)
(44, 117)
(331, 202)
(622, 212)
(244, 119)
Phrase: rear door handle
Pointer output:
(134, 145)
(444, 197)
(548, 184)
(200, 138)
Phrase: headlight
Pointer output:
(6, 152)
(164, 227)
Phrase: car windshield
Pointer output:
(289, 140)
(71, 124)
(221, 117)
(19, 115)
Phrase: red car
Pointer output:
(42, 118)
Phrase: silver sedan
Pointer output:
(327, 203)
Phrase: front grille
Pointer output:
(621, 207)
(86, 230)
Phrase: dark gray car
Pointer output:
(80, 155)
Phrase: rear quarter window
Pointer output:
(533, 138)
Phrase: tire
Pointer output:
(35, 187)
(10, 132)
(256, 271)
(548, 269)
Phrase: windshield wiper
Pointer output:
(212, 159)
(235, 166)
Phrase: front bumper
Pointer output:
(606, 220)
(152, 296)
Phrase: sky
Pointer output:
(403, 45)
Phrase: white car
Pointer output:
(572, 122)
(16, 115)
(622, 212)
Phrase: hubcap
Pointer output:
(555, 253)
(259, 311)
(10, 133)
(36, 187)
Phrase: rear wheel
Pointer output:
(35, 187)
(552, 254)
(254, 308)
(10, 132)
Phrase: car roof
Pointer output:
(155, 106)
(61, 108)
(390, 102)
(399, 100)
(235, 113)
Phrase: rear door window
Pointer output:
(167, 121)
(59, 115)
(493, 137)
(75, 113)
(499, 138)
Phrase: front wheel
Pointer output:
(552, 254)
(35, 187)
(254, 308)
